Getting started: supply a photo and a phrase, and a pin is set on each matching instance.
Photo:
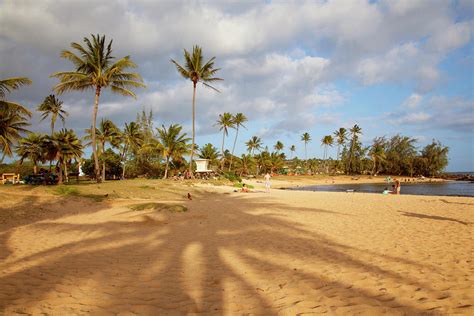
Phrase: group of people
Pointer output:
(395, 188)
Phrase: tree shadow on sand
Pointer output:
(227, 258)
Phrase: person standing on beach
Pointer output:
(267, 182)
(397, 186)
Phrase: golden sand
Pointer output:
(285, 253)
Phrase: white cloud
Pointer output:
(412, 101)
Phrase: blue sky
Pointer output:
(291, 66)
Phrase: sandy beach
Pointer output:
(286, 252)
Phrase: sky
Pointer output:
(291, 67)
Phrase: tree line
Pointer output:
(139, 148)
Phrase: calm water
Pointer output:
(456, 188)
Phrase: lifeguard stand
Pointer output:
(202, 166)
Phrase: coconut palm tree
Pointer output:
(254, 143)
(244, 164)
(63, 146)
(224, 122)
(239, 120)
(306, 138)
(173, 143)
(96, 68)
(326, 141)
(292, 150)
(6, 86)
(32, 147)
(12, 125)
(278, 146)
(131, 139)
(209, 152)
(377, 153)
(52, 106)
(355, 131)
(341, 138)
(197, 70)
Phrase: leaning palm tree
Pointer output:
(131, 139)
(306, 138)
(225, 122)
(197, 70)
(254, 143)
(326, 141)
(52, 106)
(12, 125)
(96, 68)
(31, 147)
(174, 143)
(6, 86)
(239, 120)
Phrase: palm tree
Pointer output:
(96, 68)
(173, 142)
(326, 141)
(239, 120)
(254, 143)
(108, 134)
(32, 147)
(355, 132)
(292, 150)
(8, 85)
(306, 138)
(197, 71)
(244, 164)
(64, 145)
(12, 125)
(52, 105)
(341, 137)
(278, 146)
(209, 152)
(131, 138)
(377, 153)
(224, 122)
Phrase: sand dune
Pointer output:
(279, 253)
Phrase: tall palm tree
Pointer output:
(6, 86)
(326, 141)
(341, 138)
(306, 138)
(173, 142)
(355, 131)
(224, 122)
(96, 68)
(377, 153)
(197, 70)
(239, 120)
(292, 150)
(279, 146)
(12, 125)
(52, 106)
(254, 143)
(32, 147)
(131, 139)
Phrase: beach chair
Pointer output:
(10, 177)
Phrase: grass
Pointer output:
(240, 184)
(73, 191)
(172, 208)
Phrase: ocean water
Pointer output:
(448, 188)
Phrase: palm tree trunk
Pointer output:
(94, 148)
(166, 167)
(103, 161)
(124, 159)
(194, 130)
(35, 168)
(65, 172)
(223, 155)
(60, 175)
(233, 147)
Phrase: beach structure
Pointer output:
(202, 166)
(10, 177)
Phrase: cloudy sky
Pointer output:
(291, 66)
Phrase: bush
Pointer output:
(23, 169)
(232, 177)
